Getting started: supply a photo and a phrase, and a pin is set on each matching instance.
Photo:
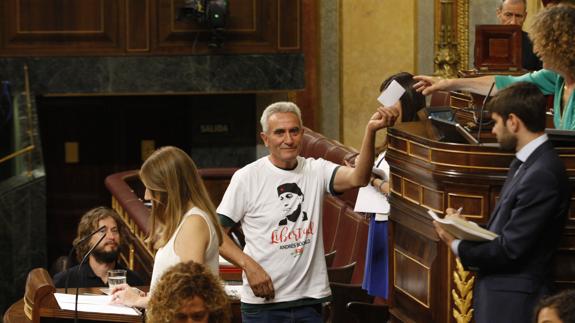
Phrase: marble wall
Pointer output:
(22, 234)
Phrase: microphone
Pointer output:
(480, 121)
(74, 245)
(78, 270)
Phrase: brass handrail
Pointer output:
(17, 153)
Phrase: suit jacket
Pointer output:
(513, 270)
(529, 60)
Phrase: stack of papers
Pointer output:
(93, 304)
(233, 290)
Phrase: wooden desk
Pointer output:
(426, 282)
(15, 313)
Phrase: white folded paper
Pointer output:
(93, 304)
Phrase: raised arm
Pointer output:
(347, 177)
(429, 84)
(258, 278)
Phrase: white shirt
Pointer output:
(166, 256)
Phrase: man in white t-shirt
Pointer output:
(278, 200)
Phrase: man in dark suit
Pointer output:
(513, 270)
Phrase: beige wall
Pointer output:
(378, 38)
(533, 7)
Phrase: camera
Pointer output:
(209, 13)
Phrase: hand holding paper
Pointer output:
(391, 94)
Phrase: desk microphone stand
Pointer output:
(80, 266)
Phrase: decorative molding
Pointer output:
(431, 150)
(463, 33)
(451, 37)
(462, 294)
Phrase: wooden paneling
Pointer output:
(252, 26)
(103, 27)
(138, 25)
(288, 24)
(61, 26)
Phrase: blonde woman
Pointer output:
(184, 226)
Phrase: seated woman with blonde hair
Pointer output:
(188, 292)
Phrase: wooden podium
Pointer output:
(39, 302)
(426, 283)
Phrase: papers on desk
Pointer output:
(93, 304)
(233, 290)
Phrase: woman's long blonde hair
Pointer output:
(173, 180)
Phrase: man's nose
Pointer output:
(288, 138)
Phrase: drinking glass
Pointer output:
(116, 277)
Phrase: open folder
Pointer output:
(463, 229)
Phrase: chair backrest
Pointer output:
(341, 274)
(329, 257)
(369, 313)
(342, 294)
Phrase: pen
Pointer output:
(137, 310)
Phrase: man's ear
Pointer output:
(514, 124)
(264, 137)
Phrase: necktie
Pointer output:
(514, 167)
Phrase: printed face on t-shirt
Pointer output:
(290, 203)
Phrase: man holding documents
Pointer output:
(278, 200)
(513, 269)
